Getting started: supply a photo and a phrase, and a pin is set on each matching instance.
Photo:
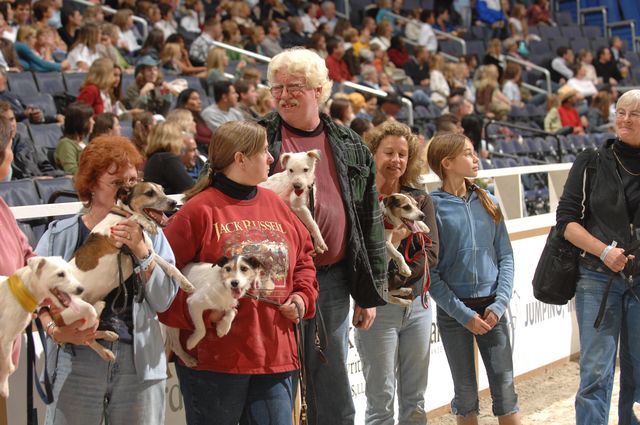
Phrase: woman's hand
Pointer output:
(477, 326)
(129, 233)
(616, 260)
(490, 318)
(72, 334)
(293, 308)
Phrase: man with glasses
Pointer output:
(348, 214)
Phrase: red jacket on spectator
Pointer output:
(569, 117)
(90, 94)
(338, 69)
(399, 57)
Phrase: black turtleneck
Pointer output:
(629, 159)
(233, 189)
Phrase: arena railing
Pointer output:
(349, 84)
(439, 33)
(111, 11)
(583, 12)
(620, 24)
(527, 64)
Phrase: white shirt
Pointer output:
(310, 24)
(428, 38)
(190, 21)
(559, 65)
(584, 87)
(130, 38)
(81, 53)
(167, 27)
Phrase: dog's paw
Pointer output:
(401, 292)
(188, 360)
(398, 301)
(185, 284)
(320, 247)
(107, 335)
(404, 270)
(222, 328)
(193, 341)
(107, 355)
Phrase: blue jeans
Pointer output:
(87, 389)
(328, 389)
(495, 349)
(598, 348)
(396, 349)
(231, 399)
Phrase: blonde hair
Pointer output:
(170, 51)
(121, 18)
(183, 118)
(110, 30)
(245, 137)
(215, 59)
(101, 74)
(25, 32)
(376, 135)
(165, 137)
(305, 62)
(449, 146)
(263, 94)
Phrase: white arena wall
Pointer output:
(541, 334)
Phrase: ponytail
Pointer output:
(492, 209)
(203, 182)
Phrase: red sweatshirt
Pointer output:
(212, 224)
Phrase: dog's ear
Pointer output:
(222, 261)
(124, 194)
(391, 201)
(314, 153)
(254, 262)
(284, 158)
(37, 264)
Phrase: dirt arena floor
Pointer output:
(545, 399)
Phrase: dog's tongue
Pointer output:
(298, 192)
(157, 216)
(412, 226)
(236, 293)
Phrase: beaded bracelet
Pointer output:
(606, 250)
(145, 263)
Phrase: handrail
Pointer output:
(547, 74)
(381, 93)
(257, 56)
(445, 55)
(112, 11)
(536, 89)
(453, 38)
(596, 9)
(628, 22)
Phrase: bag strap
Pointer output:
(45, 394)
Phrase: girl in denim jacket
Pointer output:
(473, 281)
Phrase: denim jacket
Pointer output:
(475, 260)
(61, 239)
(366, 256)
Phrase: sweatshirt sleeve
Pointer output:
(160, 288)
(304, 274)
(504, 254)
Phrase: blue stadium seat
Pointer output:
(50, 82)
(46, 135)
(571, 31)
(23, 192)
(485, 164)
(591, 31)
(451, 47)
(547, 31)
(23, 130)
(73, 81)
(476, 47)
(56, 190)
(42, 101)
(22, 83)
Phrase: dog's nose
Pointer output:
(80, 290)
(173, 204)
(234, 283)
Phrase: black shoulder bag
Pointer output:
(555, 278)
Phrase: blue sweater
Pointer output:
(32, 62)
(475, 260)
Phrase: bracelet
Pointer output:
(145, 263)
(607, 249)
(50, 326)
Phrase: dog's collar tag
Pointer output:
(22, 294)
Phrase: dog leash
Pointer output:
(45, 394)
(424, 241)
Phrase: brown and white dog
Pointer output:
(42, 278)
(95, 263)
(293, 184)
(218, 287)
(399, 211)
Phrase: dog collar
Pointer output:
(22, 294)
(121, 212)
(388, 225)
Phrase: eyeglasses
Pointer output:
(292, 89)
(622, 114)
(120, 183)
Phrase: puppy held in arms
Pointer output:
(400, 211)
(293, 185)
(218, 287)
(101, 266)
(43, 280)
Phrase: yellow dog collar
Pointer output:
(22, 294)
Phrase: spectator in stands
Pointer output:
(106, 124)
(361, 46)
(460, 107)
(192, 16)
(42, 11)
(390, 107)
(579, 81)
(110, 36)
(93, 14)
(183, 118)
(274, 10)
(495, 57)
(129, 37)
(585, 57)
(20, 110)
(606, 67)
(426, 37)
(183, 61)
(8, 56)
(271, 42)
(299, 82)
(357, 101)
(22, 12)
(490, 13)
(472, 286)
(164, 165)
(518, 24)
(539, 13)
(412, 26)
(361, 126)
(370, 77)
(370, 107)
(594, 225)
(71, 19)
(190, 157)
(217, 61)
(78, 124)
(108, 164)
(29, 160)
(141, 123)
(341, 111)
(96, 88)
(224, 109)
(86, 49)
(296, 35)
(442, 22)
(169, 59)
(310, 17)
(7, 30)
(200, 47)
(569, 117)
(511, 85)
(166, 24)
(152, 45)
(256, 37)
(383, 35)
(437, 82)
(29, 59)
(490, 100)
(265, 102)
(189, 99)
(561, 65)
(615, 45)
(417, 68)
(148, 91)
(232, 35)
(338, 69)
(552, 121)
(598, 113)
(247, 99)
(398, 53)
(44, 45)
(448, 123)
(395, 342)
(328, 9)
(318, 44)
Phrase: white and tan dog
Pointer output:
(42, 278)
(293, 184)
(218, 287)
(399, 211)
(95, 263)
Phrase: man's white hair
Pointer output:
(306, 63)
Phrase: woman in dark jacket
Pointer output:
(599, 213)
(164, 165)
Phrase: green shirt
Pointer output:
(68, 154)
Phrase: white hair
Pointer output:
(629, 100)
(305, 62)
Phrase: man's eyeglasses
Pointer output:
(292, 89)
(622, 114)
